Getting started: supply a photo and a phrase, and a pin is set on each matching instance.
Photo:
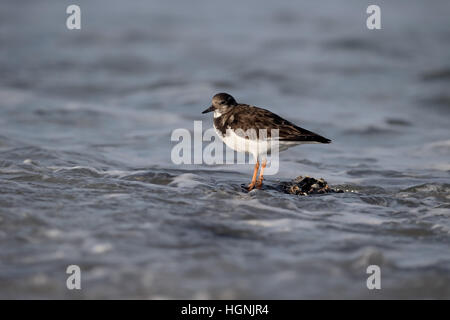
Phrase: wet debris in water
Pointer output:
(304, 186)
(301, 186)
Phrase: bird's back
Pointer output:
(245, 117)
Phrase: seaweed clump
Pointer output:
(304, 186)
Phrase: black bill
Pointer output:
(210, 109)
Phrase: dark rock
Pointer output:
(306, 185)
(301, 186)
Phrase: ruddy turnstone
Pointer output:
(246, 128)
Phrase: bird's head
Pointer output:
(221, 103)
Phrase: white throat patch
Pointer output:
(217, 113)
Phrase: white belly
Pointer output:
(258, 148)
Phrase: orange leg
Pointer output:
(261, 178)
(255, 172)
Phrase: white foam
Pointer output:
(186, 180)
(282, 225)
(112, 173)
(101, 248)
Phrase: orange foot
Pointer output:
(259, 184)
(255, 172)
(261, 175)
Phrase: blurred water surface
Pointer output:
(85, 170)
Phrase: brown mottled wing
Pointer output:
(248, 117)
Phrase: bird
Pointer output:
(246, 128)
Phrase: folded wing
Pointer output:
(248, 117)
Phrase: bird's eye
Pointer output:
(222, 102)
